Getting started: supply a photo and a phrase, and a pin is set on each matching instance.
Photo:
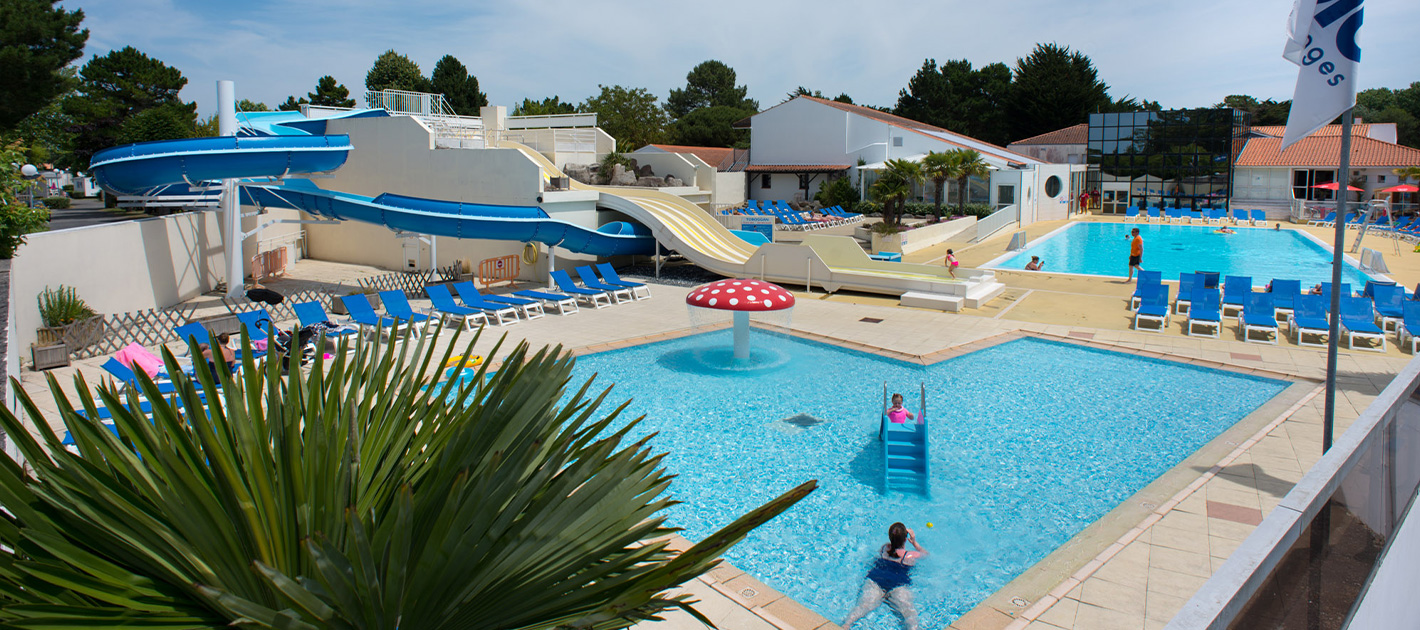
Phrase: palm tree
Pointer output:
(966, 164)
(360, 496)
(894, 185)
(939, 167)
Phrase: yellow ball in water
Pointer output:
(929, 526)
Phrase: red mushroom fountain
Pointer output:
(742, 297)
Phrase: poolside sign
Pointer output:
(1321, 39)
(763, 225)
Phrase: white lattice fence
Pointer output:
(283, 312)
(412, 283)
(148, 327)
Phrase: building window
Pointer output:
(1052, 187)
(1005, 195)
(764, 181)
(1303, 181)
(897, 141)
(1380, 179)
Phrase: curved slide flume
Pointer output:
(146, 166)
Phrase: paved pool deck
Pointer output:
(1135, 567)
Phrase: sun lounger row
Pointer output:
(1212, 216)
(1368, 315)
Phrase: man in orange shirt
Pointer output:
(1136, 254)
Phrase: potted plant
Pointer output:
(67, 319)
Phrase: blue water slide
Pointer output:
(459, 220)
(134, 169)
(148, 167)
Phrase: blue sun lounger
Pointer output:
(1187, 284)
(593, 298)
(1153, 307)
(1259, 316)
(1146, 279)
(563, 303)
(611, 277)
(1239, 216)
(362, 313)
(1390, 305)
(497, 310)
(199, 332)
(589, 278)
(450, 311)
(1235, 292)
(312, 313)
(1284, 296)
(1359, 320)
(1259, 217)
(591, 281)
(1131, 213)
(529, 308)
(256, 323)
(1410, 327)
(129, 378)
(397, 306)
(1309, 318)
(1205, 313)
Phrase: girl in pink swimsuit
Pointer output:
(896, 413)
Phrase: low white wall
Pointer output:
(666, 164)
(729, 189)
(922, 237)
(118, 267)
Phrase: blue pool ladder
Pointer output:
(906, 466)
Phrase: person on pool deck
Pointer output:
(1136, 254)
(1035, 264)
(890, 577)
(952, 263)
(897, 413)
(227, 355)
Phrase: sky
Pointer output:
(1182, 54)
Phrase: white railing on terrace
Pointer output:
(997, 221)
(558, 140)
(551, 121)
(1317, 554)
(406, 102)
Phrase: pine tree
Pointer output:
(37, 40)
(330, 94)
(460, 89)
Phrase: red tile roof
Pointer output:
(1324, 151)
(1075, 134)
(1358, 129)
(910, 125)
(714, 156)
(797, 168)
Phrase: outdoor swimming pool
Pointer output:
(1032, 440)
(1100, 248)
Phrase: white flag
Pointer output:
(1321, 38)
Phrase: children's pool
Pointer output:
(1031, 441)
(1100, 248)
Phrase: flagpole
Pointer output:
(1342, 188)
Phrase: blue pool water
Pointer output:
(1032, 440)
(1102, 249)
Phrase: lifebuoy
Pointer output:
(530, 254)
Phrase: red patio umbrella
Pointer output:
(1334, 186)
(1403, 188)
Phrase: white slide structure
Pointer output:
(829, 262)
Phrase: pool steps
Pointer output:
(905, 465)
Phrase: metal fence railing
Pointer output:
(1308, 564)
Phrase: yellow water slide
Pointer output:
(830, 262)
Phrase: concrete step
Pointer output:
(939, 301)
(982, 293)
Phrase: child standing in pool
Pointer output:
(897, 413)
(952, 263)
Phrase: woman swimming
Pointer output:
(889, 578)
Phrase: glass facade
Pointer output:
(1175, 159)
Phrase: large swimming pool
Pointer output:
(1100, 248)
(1032, 441)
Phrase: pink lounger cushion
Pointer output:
(137, 357)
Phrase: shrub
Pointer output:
(56, 203)
(62, 306)
(839, 192)
(886, 228)
(609, 162)
(872, 208)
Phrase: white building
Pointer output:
(1265, 175)
(799, 145)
